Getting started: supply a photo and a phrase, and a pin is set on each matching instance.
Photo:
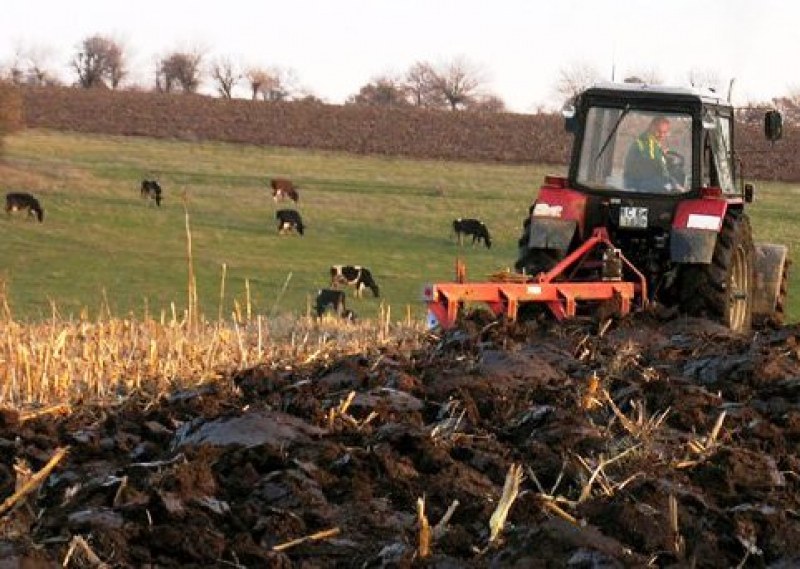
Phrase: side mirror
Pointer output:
(773, 125)
(749, 193)
(570, 119)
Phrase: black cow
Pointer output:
(288, 220)
(19, 201)
(283, 188)
(356, 276)
(332, 299)
(151, 189)
(474, 227)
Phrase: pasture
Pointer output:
(103, 248)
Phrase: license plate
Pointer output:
(633, 217)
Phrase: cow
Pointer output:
(356, 276)
(19, 201)
(283, 188)
(152, 190)
(289, 220)
(474, 227)
(333, 299)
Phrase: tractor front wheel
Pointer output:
(533, 261)
(723, 290)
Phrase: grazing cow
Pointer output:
(283, 188)
(151, 189)
(332, 299)
(288, 220)
(476, 228)
(356, 276)
(19, 201)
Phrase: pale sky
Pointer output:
(336, 46)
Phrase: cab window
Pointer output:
(636, 150)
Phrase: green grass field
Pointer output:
(101, 242)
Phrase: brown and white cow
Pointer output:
(283, 188)
(355, 276)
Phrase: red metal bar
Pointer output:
(561, 297)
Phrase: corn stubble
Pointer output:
(64, 362)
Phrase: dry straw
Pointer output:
(69, 361)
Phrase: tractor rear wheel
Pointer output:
(723, 290)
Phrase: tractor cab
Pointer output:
(662, 141)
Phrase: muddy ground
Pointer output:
(665, 443)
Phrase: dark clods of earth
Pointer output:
(660, 443)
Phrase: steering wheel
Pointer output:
(675, 159)
(676, 166)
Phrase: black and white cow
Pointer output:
(283, 188)
(289, 220)
(472, 227)
(356, 276)
(22, 201)
(332, 299)
(151, 189)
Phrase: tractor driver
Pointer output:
(646, 162)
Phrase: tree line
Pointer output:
(101, 62)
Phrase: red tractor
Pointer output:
(652, 211)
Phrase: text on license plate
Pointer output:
(633, 217)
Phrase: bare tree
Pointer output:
(574, 78)
(99, 63)
(179, 70)
(381, 92)
(226, 75)
(256, 77)
(419, 84)
(273, 84)
(31, 66)
(458, 83)
(282, 86)
(117, 67)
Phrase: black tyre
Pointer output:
(533, 261)
(723, 289)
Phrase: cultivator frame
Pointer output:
(561, 296)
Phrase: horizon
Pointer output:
(520, 48)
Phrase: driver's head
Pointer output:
(659, 128)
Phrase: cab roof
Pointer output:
(643, 90)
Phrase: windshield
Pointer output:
(636, 150)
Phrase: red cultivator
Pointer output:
(552, 288)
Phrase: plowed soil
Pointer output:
(665, 443)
